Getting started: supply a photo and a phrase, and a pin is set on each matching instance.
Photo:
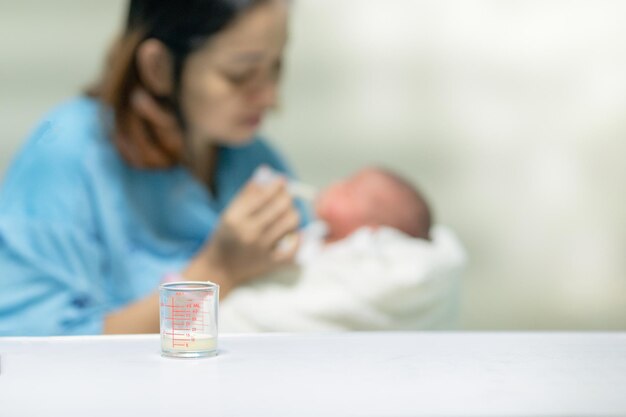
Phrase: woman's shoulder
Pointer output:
(69, 128)
(52, 164)
(65, 137)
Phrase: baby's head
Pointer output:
(373, 197)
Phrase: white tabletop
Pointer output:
(351, 374)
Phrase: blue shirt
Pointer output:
(82, 233)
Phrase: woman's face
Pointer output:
(230, 84)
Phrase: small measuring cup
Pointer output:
(188, 311)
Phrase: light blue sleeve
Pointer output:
(43, 284)
(50, 256)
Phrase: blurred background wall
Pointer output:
(510, 115)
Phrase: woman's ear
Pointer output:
(155, 66)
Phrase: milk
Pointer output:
(184, 344)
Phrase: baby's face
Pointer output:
(348, 205)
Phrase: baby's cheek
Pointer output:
(328, 202)
(321, 208)
(344, 221)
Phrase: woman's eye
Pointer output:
(240, 78)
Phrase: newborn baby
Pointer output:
(371, 262)
(373, 197)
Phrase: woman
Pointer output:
(149, 175)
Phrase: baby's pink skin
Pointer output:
(350, 204)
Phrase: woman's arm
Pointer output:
(242, 247)
(139, 317)
(143, 316)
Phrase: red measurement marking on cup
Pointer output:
(186, 318)
(172, 315)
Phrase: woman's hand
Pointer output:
(244, 245)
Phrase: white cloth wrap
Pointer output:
(372, 280)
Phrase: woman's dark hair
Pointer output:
(183, 26)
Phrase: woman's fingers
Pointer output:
(273, 211)
(275, 218)
(246, 242)
(288, 222)
(255, 197)
(285, 254)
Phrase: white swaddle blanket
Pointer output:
(372, 280)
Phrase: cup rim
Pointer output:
(189, 286)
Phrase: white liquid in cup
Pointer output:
(186, 344)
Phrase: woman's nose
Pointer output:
(265, 94)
